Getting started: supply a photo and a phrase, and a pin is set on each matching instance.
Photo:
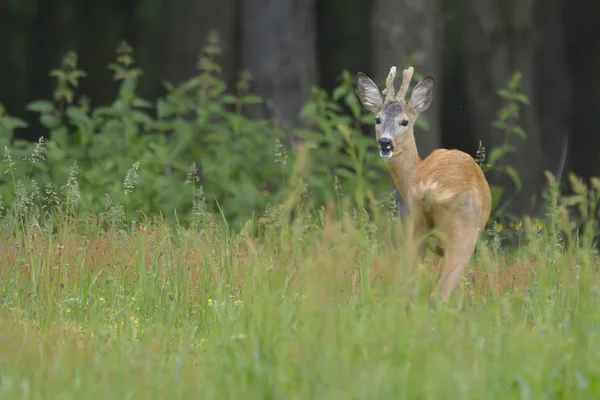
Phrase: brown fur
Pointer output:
(446, 191)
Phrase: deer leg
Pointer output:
(457, 257)
(417, 230)
(460, 237)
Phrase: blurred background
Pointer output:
(472, 47)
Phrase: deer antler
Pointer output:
(406, 78)
(389, 85)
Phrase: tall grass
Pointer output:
(297, 304)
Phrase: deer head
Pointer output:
(394, 117)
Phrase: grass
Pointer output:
(314, 308)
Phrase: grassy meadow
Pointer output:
(120, 281)
(312, 306)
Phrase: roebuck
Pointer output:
(446, 191)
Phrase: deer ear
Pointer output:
(368, 93)
(422, 95)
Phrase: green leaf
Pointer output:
(308, 111)
(423, 124)
(497, 153)
(141, 117)
(514, 175)
(76, 114)
(338, 93)
(506, 113)
(521, 98)
(252, 99)
(504, 93)
(228, 99)
(519, 131)
(12, 123)
(497, 193)
(163, 109)
(41, 106)
(141, 103)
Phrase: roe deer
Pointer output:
(446, 191)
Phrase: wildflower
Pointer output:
(102, 299)
(131, 179)
(134, 320)
(68, 310)
(518, 226)
(540, 226)
(238, 301)
(210, 302)
(499, 228)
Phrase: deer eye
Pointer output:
(377, 121)
(403, 123)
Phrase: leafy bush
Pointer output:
(192, 145)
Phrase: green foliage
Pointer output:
(507, 121)
(340, 152)
(195, 141)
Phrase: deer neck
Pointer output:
(403, 163)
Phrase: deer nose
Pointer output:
(385, 146)
(385, 143)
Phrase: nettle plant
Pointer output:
(191, 149)
(147, 157)
(507, 122)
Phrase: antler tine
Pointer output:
(389, 84)
(406, 78)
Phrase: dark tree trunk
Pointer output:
(583, 58)
(553, 88)
(188, 24)
(347, 39)
(279, 50)
(408, 32)
(499, 40)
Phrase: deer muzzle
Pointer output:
(386, 146)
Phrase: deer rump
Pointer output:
(448, 182)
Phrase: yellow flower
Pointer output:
(102, 299)
(540, 226)
(68, 310)
(210, 302)
(134, 320)
(238, 301)
(499, 228)
(518, 226)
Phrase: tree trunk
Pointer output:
(408, 32)
(499, 40)
(279, 50)
(187, 26)
(348, 41)
(583, 58)
(553, 87)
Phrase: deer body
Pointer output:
(446, 191)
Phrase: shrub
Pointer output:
(193, 145)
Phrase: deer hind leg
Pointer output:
(460, 239)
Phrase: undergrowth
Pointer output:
(295, 304)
